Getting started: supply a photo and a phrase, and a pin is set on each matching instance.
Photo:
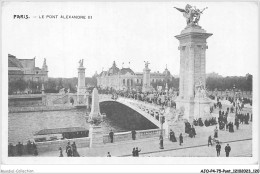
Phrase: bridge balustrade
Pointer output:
(127, 136)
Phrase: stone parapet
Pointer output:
(54, 145)
(127, 136)
(40, 108)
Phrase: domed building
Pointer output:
(127, 79)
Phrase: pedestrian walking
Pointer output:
(133, 152)
(237, 124)
(137, 152)
(133, 134)
(218, 149)
(181, 139)
(209, 141)
(227, 150)
(69, 150)
(108, 154)
(193, 131)
(111, 135)
(60, 150)
(74, 150)
(172, 136)
(216, 132)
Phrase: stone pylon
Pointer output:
(192, 48)
(95, 110)
(81, 89)
(146, 78)
(95, 128)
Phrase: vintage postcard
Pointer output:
(130, 83)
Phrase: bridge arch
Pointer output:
(127, 115)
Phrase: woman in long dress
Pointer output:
(74, 150)
(173, 137)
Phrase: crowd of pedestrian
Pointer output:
(71, 150)
(189, 129)
(19, 150)
(207, 122)
(156, 97)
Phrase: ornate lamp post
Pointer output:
(162, 120)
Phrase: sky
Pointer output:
(129, 32)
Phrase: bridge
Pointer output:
(151, 112)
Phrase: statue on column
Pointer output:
(146, 64)
(81, 62)
(191, 13)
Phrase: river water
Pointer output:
(22, 126)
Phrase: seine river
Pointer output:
(22, 126)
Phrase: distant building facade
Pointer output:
(25, 69)
(126, 78)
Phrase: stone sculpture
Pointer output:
(146, 64)
(191, 13)
(81, 62)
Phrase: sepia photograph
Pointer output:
(141, 82)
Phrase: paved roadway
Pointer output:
(240, 142)
(239, 149)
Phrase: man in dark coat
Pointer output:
(69, 152)
(218, 148)
(237, 123)
(219, 113)
(193, 131)
(19, 147)
(137, 152)
(227, 150)
(209, 141)
(68, 149)
(133, 152)
(230, 127)
(247, 118)
(181, 139)
(133, 134)
(111, 135)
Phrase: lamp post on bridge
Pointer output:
(162, 120)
